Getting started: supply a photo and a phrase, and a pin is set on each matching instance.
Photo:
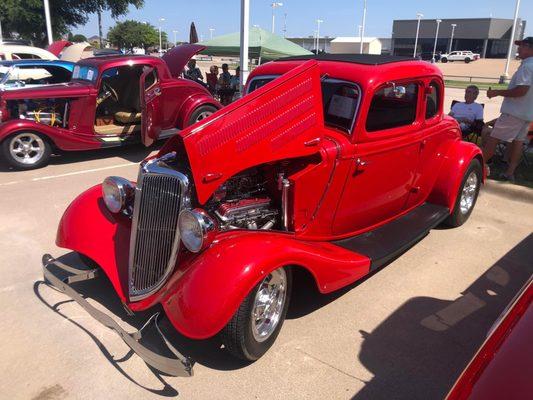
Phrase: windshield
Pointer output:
(85, 73)
(340, 100)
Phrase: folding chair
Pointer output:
(477, 127)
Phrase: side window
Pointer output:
(393, 106)
(433, 100)
(340, 100)
(151, 79)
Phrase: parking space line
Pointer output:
(86, 171)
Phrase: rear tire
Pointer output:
(467, 60)
(467, 195)
(256, 324)
(444, 60)
(26, 150)
(201, 113)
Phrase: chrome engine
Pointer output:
(243, 203)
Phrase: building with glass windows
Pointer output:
(487, 36)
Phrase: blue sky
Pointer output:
(341, 17)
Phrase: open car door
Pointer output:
(151, 117)
(283, 119)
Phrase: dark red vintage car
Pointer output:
(106, 104)
(332, 165)
(503, 366)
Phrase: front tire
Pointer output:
(467, 60)
(444, 60)
(256, 324)
(26, 150)
(201, 113)
(467, 195)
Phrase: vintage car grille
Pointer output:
(160, 194)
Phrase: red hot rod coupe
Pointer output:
(106, 103)
(332, 165)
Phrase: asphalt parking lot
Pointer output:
(405, 332)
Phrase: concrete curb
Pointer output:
(509, 190)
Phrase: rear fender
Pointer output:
(455, 164)
(61, 138)
(88, 227)
(191, 104)
(202, 297)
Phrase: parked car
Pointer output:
(33, 73)
(501, 368)
(331, 165)
(19, 52)
(465, 56)
(428, 56)
(102, 106)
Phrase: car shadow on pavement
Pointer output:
(132, 153)
(209, 353)
(420, 350)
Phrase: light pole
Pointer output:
(318, 22)
(174, 32)
(451, 39)
(1, 38)
(48, 22)
(418, 17)
(436, 36)
(160, 45)
(285, 25)
(274, 6)
(363, 27)
(211, 33)
(505, 75)
(245, 25)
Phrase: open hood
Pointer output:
(178, 57)
(70, 89)
(57, 47)
(280, 120)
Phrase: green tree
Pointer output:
(130, 34)
(25, 18)
(77, 38)
(117, 8)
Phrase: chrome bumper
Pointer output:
(179, 366)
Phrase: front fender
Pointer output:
(88, 227)
(191, 104)
(201, 298)
(456, 162)
(61, 138)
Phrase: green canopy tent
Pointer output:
(263, 45)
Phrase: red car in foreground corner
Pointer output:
(503, 366)
(106, 104)
(332, 164)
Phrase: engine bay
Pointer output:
(45, 111)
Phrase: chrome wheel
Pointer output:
(203, 115)
(268, 304)
(26, 148)
(468, 195)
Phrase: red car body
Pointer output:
(355, 199)
(503, 366)
(78, 106)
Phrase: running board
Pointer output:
(385, 243)
(166, 133)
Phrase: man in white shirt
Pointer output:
(516, 112)
(468, 112)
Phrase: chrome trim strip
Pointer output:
(156, 167)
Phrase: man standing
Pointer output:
(516, 111)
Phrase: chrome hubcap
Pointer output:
(468, 194)
(203, 115)
(26, 148)
(268, 304)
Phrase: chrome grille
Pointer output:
(159, 196)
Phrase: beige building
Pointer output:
(352, 45)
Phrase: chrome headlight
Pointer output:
(197, 229)
(118, 193)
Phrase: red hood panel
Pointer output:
(177, 58)
(71, 89)
(274, 122)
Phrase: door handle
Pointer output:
(361, 164)
(157, 91)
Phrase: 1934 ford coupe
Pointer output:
(105, 104)
(333, 165)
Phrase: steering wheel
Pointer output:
(108, 92)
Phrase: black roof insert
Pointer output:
(367, 59)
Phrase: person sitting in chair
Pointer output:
(468, 112)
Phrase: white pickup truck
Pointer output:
(465, 56)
